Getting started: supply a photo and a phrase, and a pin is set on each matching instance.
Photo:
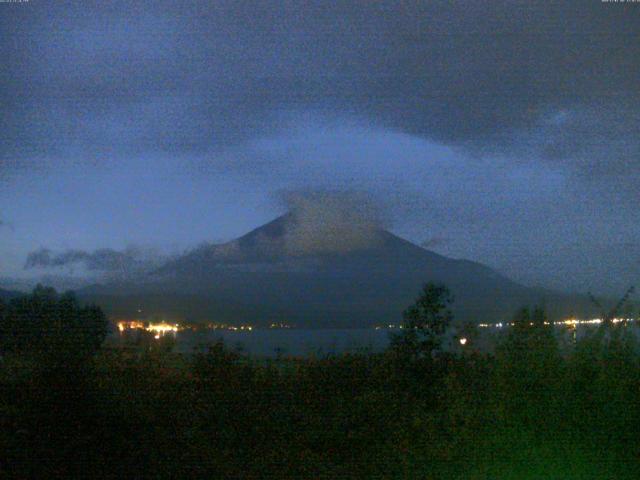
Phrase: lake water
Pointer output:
(322, 342)
(276, 342)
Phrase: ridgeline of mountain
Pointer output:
(317, 275)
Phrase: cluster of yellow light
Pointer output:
(391, 326)
(570, 322)
(241, 327)
(593, 321)
(162, 327)
(158, 328)
(130, 325)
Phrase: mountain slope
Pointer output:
(285, 271)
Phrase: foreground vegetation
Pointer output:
(528, 410)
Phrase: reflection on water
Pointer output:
(274, 342)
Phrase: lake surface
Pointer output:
(275, 342)
(322, 342)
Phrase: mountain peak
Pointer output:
(316, 273)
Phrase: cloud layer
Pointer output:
(330, 222)
(510, 128)
(92, 80)
(106, 261)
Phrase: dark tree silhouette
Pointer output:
(607, 317)
(425, 321)
(51, 325)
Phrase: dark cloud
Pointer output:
(131, 261)
(39, 258)
(557, 79)
(104, 259)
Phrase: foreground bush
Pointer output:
(525, 412)
(531, 409)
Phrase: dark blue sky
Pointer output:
(503, 132)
